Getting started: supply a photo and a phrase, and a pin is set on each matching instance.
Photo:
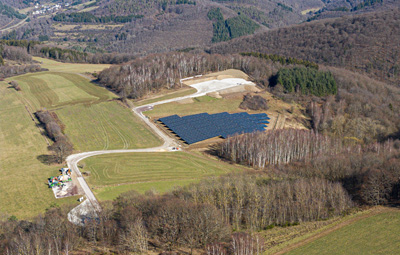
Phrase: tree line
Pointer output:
(281, 146)
(36, 48)
(13, 70)
(62, 146)
(368, 172)
(282, 59)
(147, 75)
(87, 17)
(207, 217)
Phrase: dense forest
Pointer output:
(224, 30)
(10, 12)
(306, 81)
(369, 172)
(366, 43)
(87, 17)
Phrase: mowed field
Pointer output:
(105, 126)
(111, 175)
(93, 119)
(23, 177)
(378, 234)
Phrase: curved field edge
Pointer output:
(111, 175)
(53, 90)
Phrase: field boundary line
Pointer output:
(325, 232)
(27, 105)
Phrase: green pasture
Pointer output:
(111, 175)
(55, 66)
(51, 90)
(105, 126)
(23, 178)
(93, 120)
(379, 234)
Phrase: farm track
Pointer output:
(14, 26)
(72, 160)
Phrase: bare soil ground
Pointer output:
(230, 73)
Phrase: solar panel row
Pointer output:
(199, 127)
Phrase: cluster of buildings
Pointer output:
(43, 9)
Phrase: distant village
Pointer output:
(41, 9)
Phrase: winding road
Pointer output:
(93, 206)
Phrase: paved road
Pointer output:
(202, 89)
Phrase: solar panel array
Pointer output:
(203, 126)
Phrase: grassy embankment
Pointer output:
(93, 121)
(111, 175)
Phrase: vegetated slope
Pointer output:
(23, 149)
(380, 228)
(8, 14)
(338, 8)
(366, 43)
(153, 26)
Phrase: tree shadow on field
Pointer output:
(47, 159)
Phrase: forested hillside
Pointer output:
(367, 43)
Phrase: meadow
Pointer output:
(105, 126)
(93, 118)
(378, 234)
(23, 179)
(111, 175)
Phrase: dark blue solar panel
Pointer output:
(203, 126)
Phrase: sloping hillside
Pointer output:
(366, 43)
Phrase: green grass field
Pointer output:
(379, 234)
(111, 175)
(200, 104)
(53, 90)
(93, 122)
(55, 66)
(23, 189)
(105, 126)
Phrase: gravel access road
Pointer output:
(93, 206)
